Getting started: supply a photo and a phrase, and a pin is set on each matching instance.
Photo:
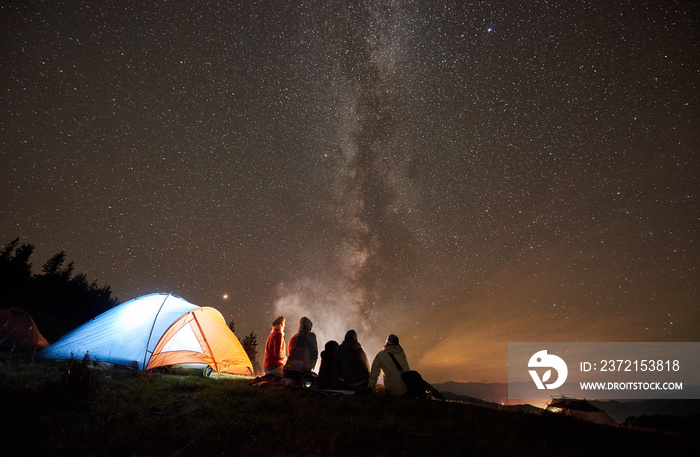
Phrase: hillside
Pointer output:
(476, 393)
(492, 392)
(72, 410)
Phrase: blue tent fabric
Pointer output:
(125, 335)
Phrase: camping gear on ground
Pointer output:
(18, 331)
(413, 380)
(162, 327)
(309, 380)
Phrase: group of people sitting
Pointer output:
(343, 366)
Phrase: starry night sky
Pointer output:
(462, 174)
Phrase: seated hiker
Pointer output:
(303, 352)
(350, 367)
(393, 384)
(325, 371)
(275, 351)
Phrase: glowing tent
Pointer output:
(202, 336)
(157, 324)
(18, 331)
(125, 335)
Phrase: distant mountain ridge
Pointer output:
(493, 392)
(637, 408)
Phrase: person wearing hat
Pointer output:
(393, 384)
(303, 352)
(350, 367)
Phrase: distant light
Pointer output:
(225, 297)
(489, 30)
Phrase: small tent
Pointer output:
(202, 336)
(130, 333)
(581, 409)
(18, 331)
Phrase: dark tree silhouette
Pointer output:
(58, 299)
(250, 345)
(15, 272)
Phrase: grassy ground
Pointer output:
(56, 409)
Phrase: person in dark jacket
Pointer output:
(325, 372)
(303, 352)
(350, 367)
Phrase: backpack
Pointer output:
(413, 380)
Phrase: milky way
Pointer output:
(462, 174)
(372, 183)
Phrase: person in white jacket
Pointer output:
(393, 384)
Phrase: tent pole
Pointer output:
(201, 332)
(155, 319)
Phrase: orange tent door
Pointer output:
(202, 336)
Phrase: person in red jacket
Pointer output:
(275, 349)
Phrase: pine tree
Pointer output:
(250, 345)
(16, 274)
(58, 299)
